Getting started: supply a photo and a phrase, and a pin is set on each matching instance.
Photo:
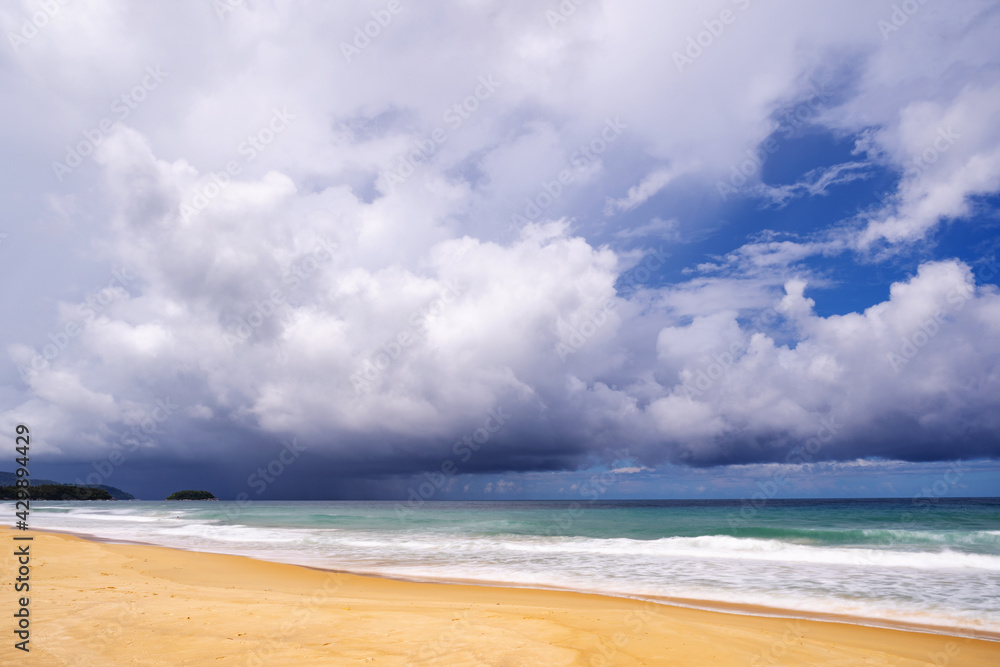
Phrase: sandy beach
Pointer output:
(94, 603)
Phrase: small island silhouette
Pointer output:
(191, 495)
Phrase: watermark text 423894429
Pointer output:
(22, 550)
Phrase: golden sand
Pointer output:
(94, 603)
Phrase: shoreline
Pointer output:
(713, 606)
(113, 603)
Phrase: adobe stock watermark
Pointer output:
(776, 652)
(264, 309)
(122, 107)
(899, 17)
(635, 623)
(943, 658)
(701, 41)
(463, 449)
(445, 641)
(129, 441)
(788, 124)
(585, 155)
(293, 619)
(372, 368)
(592, 489)
(255, 144)
(930, 495)
(768, 489)
(911, 344)
(264, 476)
(454, 116)
(944, 140)
(572, 338)
(32, 25)
(460, 631)
(95, 304)
(915, 341)
(562, 13)
(696, 384)
(363, 35)
(225, 7)
(643, 273)
(115, 616)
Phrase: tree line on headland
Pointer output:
(54, 492)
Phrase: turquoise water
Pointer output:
(924, 561)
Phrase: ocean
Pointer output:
(926, 562)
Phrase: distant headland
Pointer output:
(55, 492)
(10, 479)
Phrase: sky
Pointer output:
(485, 249)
